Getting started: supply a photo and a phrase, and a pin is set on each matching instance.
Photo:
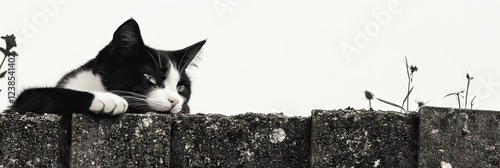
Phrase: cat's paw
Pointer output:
(108, 103)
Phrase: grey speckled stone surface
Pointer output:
(434, 137)
(130, 140)
(349, 138)
(33, 140)
(247, 140)
(459, 138)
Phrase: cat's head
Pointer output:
(149, 79)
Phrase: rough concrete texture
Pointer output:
(247, 140)
(33, 140)
(349, 138)
(459, 138)
(130, 140)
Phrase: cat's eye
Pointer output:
(181, 88)
(150, 78)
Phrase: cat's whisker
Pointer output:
(127, 92)
(138, 105)
(135, 98)
(142, 100)
(135, 95)
(123, 91)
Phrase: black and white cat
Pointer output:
(126, 76)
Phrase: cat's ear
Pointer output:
(127, 39)
(185, 56)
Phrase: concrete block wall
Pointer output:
(33, 141)
(459, 138)
(433, 137)
(248, 140)
(364, 139)
(131, 140)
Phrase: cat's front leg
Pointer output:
(108, 103)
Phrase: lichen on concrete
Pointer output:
(277, 135)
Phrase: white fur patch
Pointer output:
(159, 99)
(85, 81)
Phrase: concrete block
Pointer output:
(459, 138)
(349, 138)
(247, 140)
(33, 140)
(129, 140)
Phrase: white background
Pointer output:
(279, 56)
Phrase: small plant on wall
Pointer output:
(460, 94)
(410, 70)
(370, 96)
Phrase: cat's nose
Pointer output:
(173, 102)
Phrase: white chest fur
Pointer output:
(85, 81)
